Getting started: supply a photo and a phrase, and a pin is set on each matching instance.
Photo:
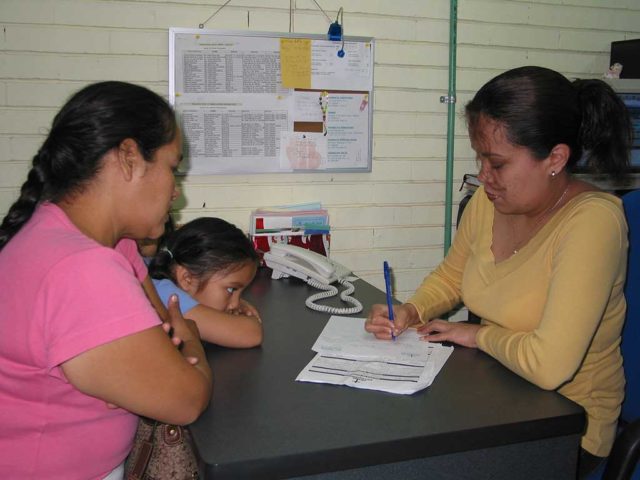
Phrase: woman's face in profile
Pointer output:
(158, 188)
(513, 179)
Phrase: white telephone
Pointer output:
(317, 270)
(298, 262)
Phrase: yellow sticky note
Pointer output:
(295, 62)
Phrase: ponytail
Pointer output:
(162, 265)
(605, 133)
(22, 209)
(540, 108)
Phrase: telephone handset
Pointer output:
(298, 262)
(317, 270)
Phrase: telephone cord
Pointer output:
(330, 291)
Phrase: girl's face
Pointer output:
(513, 179)
(222, 291)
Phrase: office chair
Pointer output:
(623, 460)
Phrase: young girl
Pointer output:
(207, 263)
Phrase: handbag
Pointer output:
(161, 452)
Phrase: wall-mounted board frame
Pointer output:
(264, 102)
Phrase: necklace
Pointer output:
(531, 232)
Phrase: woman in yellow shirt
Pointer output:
(540, 256)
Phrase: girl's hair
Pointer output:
(540, 109)
(92, 122)
(204, 246)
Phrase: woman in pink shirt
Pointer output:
(82, 351)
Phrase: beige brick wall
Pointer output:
(49, 48)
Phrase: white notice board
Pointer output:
(259, 102)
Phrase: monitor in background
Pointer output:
(626, 53)
(632, 101)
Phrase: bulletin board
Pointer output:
(259, 102)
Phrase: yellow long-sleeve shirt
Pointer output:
(553, 312)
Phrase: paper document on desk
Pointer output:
(348, 355)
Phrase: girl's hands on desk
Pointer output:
(245, 308)
(460, 333)
(378, 322)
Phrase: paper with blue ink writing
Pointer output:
(348, 355)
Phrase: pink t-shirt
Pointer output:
(61, 294)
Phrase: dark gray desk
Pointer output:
(477, 420)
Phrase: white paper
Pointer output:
(331, 72)
(303, 151)
(306, 107)
(347, 130)
(347, 336)
(369, 375)
(345, 144)
(348, 355)
(234, 133)
(209, 64)
(231, 103)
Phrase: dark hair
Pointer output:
(94, 120)
(203, 246)
(541, 108)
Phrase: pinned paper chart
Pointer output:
(258, 102)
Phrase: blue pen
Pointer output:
(387, 284)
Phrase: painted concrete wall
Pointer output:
(50, 48)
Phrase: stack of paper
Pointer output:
(348, 355)
(286, 220)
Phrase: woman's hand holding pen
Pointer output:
(406, 315)
(379, 324)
